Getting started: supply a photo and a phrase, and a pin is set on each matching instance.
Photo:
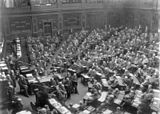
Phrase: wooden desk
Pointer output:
(103, 96)
(59, 76)
(45, 79)
(24, 112)
(87, 96)
(85, 112)
(137, 99)
(156, 93)
(107, 112)
(76, 106)
(3, 64)
(99, 74)
(30, 78)
(60, 108)
(120, 81)
(104, 82)
(120, 97)
(84, 78)
(156, 104)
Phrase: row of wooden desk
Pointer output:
(3, 70)
(135, 103)
(3, 66)
(44, 79)
(102, 98)
(59, 107)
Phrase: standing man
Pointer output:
(74, 83)
(67, 85)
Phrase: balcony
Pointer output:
(51, 5)
(16, 10)
(44, 7)
(92, 4)
(70, 6)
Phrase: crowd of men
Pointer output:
(130, 53)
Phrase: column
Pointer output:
(83, 20)
(60, 21)
(34, 25)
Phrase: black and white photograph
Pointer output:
(79, 56)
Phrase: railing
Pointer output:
(63, 4)
(142, 4)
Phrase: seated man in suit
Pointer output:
(23, 83)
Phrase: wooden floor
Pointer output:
(75, 98)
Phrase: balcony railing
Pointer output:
(77, 4)
(50, 5)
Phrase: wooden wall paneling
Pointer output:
(122, 16)
(154, 22)
(34, 24)
(52, 18)
(83, 20)
(145, 18)
(105, 18)
(71, 20)
(91, 20)
(20, 24)
(136, 18)
(40, 26)
(146, 4)
(158, 5)
(60, 21)
(100, 19)
(47, 27)
(88, 21)
(95, 19)
(54, 24)
(129, 16)
(6, 25)
(110, 16)
(139, 12)
(113, 18)
(159, 21)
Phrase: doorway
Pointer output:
(47, 30)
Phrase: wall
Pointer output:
(63, 17)
(132, 13)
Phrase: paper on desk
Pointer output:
(103, 96)
(24, 112)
